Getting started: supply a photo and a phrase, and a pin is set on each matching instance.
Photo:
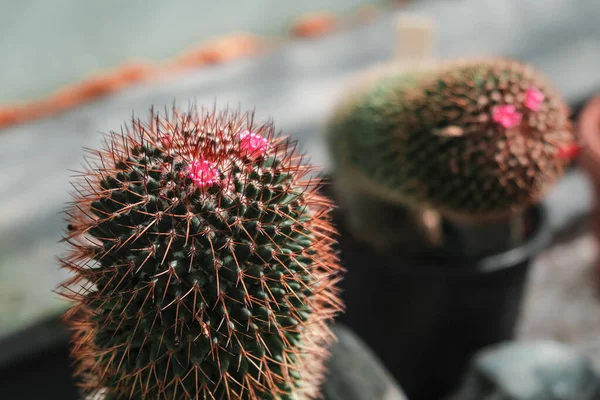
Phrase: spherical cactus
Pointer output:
(471, 139)
(203, 263)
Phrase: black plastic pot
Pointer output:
(45, 371)
(426, 318)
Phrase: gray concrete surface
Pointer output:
(297, 86)
(563, 300)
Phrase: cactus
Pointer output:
(471, 139)
(202, 263)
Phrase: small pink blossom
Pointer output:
(253, 144)
(166, 140)
(569, 152)
(506, 115)
(534, 99)
(203, 173)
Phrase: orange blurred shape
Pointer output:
(10, 115)
(315, 24)
(100, 85)
(219, 50)
(134, 72)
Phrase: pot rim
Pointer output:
(541, 237)
(515, 256)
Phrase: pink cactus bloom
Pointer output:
(203, 173)
(506, 115)
(253, 144)
(569, 152)
(166, 140)
(534, 99)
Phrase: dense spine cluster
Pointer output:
(471, 139)
(202, 263)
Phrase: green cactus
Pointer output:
(203, 264)
(470, 139)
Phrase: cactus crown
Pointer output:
(202, 261)
(471, 139)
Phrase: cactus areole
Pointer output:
(471, 139)
(202, 263)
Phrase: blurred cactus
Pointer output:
(470, 139)
(203, 264)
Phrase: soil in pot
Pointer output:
(425, 318)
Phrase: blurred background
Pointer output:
(50, 46)
(294, 76)
(47, 45)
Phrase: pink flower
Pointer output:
(203, 173)
(253, 144)
(166, 140)
(568, 152)
(533, 99)
(506, 115)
